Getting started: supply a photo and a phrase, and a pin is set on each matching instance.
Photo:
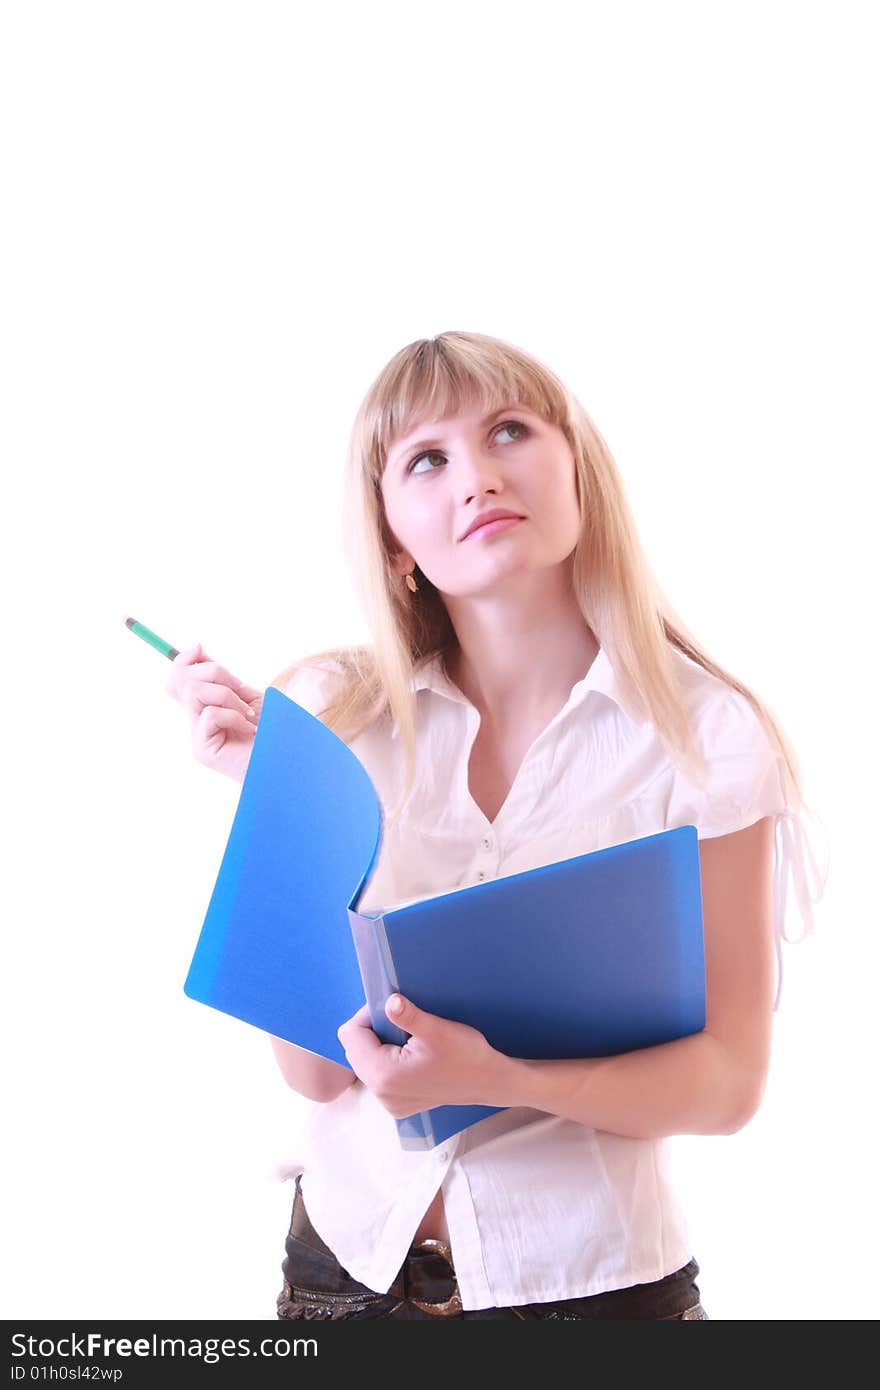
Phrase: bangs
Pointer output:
(435, 378)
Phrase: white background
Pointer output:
(220, 220)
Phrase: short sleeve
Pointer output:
(313, 687)
(747, 779)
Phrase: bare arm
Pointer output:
(315, 1077)
(689, 1086)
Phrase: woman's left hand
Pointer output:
(442, 1063)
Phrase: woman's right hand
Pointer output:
(223, 711)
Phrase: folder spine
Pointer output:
(377, 972)
(379, 976)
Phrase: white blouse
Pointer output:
(539, 1208)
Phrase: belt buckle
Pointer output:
(451, 1305)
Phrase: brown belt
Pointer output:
(428, 1279)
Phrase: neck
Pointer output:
(514, 661)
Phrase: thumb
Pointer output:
(401, 1011)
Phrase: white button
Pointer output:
(487, 843)
(481, 874)
(443, 1155)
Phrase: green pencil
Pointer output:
(164, 647)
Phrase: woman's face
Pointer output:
(442, 475)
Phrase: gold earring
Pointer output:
(410, 583)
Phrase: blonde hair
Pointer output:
(621, 601)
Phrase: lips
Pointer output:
(496, 514)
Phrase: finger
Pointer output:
(181, 664)
(361, 1046)
(250, 693)
(196, 665)
(213, 671)
(359, 1020)
(189, 655)
(205, 693)
(408, 1016)
(358, 1029)
(213, 718)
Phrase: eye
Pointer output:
(517, 425)
(434, 453)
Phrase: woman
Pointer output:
(529, 696)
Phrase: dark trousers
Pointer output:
(317, 1286)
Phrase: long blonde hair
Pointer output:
(620, 599)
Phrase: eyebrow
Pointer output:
(405, 450)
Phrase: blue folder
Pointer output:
(588, 956)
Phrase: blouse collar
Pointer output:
(600, 677)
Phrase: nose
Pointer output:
(477, 472)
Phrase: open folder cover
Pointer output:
(589, 956)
